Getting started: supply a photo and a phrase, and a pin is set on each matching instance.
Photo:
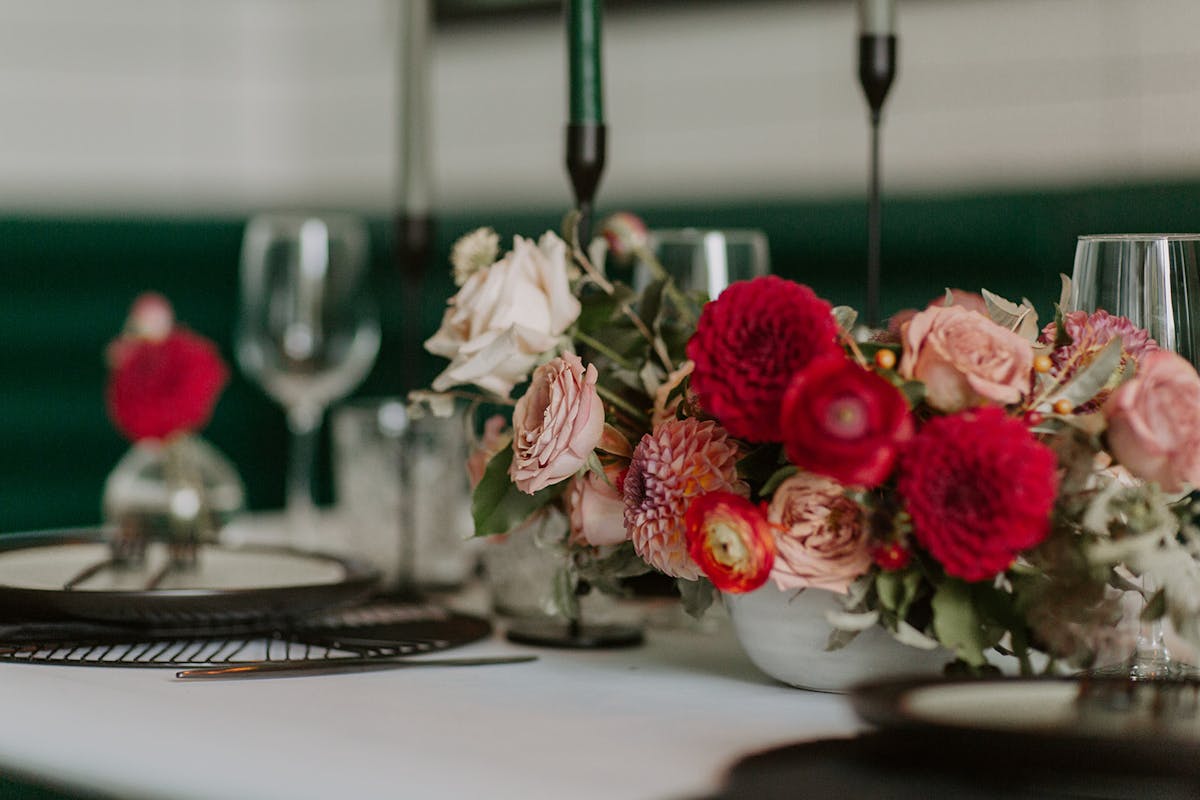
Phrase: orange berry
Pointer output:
(1042, 363)
(1063, 406)
(885, 359)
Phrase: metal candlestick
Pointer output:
(876, 72)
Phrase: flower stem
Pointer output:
(623, 404)
(605, 350)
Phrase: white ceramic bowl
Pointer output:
(785, 633)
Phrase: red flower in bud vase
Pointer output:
(979, 488)
(844, 422)
(891, 556)
(732, 541)
(162, 379)
(749, 343)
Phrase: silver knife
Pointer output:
(333, 666)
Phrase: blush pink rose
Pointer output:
(596, 508)
(556, 424)
(1154, 421)
(822, 538)
(964, 359)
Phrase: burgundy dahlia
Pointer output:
(979, 488)
(749, 343)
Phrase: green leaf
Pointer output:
(759, 465)
(779, 476)
(957, 623)
(888, 588)
(497, 505)
(1155, 608)
(914, 392)
(839, 638)
(1064, 297)
(1092, 378)
(696, 596)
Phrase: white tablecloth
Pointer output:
(660, 721)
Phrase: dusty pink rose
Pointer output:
(964, 359)
(823, 540)
(972, 301)
(493, 441)
(1154, 421)
(597, 508)
(556, 423)
(665, 406)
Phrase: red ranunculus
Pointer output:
(160, 387)
(748, 344)
(731, 540)
(844, 422)
(979, 488)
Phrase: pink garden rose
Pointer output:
(556, 424)
(1154, 421)
(964, 359)
(972, 301)
(597, 508)
(823, 540)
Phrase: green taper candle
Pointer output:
(583, 57)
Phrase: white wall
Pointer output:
(229, 105)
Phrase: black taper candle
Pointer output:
(585, 165)
(876, 72)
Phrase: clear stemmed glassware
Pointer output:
(707, 260)
(308, 331)
(1153, 280)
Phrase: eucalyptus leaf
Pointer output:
(908, 635)
(914, 392)
(1084, 385)
(845, 317)
(1066, 295)
(1021, 319)
(851, 621)
(888, 589)
(696, 596)
(497, 505)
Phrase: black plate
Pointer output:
(274, 583)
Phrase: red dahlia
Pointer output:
(160, 387)
(979, 488)
(749, 343)
(844, 422)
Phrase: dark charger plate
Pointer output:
(230, 586)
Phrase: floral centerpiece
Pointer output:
(968, 478)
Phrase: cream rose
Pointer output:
(556, 424)
(1154, 422)
(964, 359)
(505, 316)
(597, 509)
(823, 542)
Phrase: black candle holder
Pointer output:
(586, 144)
(876, 72)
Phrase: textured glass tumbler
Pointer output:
(403, 494)
(1151, 279)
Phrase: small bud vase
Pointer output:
(182, 492)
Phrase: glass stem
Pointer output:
(1151, 646)
(304, 421)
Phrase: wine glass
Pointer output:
(308, 331)
(706, 260)
(1153, 280)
